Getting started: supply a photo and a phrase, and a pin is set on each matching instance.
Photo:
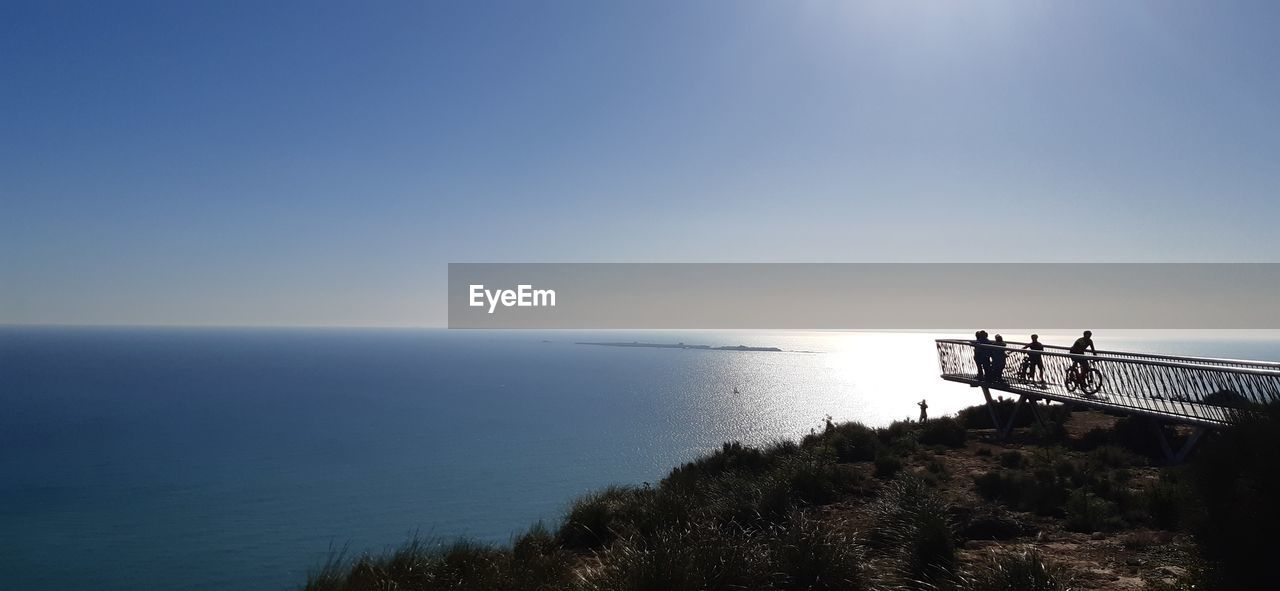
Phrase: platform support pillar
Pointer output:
(1008, 427)
(1179, 456)
(991, 408)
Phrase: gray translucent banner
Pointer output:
(863, 296)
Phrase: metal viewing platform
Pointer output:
(1199, 391)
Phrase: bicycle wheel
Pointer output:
(1092, 381)
(1072, 379)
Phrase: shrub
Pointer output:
(887, 465)
(595, 520)
(1011, 459)
(1137, 435)
(852, 442)
(1111, 456)
(1236, 478)
(792, 477)
(1094, 438)
(900, 437)
(990, 485)
(731, 457)
(1050, 431)
(798, 554)
(979, 417)
(943, 431)
(915, 521)
(813, 556)
(467, 565)
(1040, 492)
(1166, 503)
(1024, 571)
(538, 561)
(815, 479)
(1089, 513)
(692, 557)
(992, 524)
(533, 564)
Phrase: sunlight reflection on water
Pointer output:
(147, 451)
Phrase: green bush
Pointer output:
(1089, 513)
(692, 557)
(538, 561)
(1011, 459)
(1094, 438)
(899, 438)
(943, 431)
(596, 519)
(1236, 478)
(794, 477)
(853, 442)
(990, 485)
(1111, 456)
(815, 479)
(914, 521)
(979, 417)
(810, 555)
(533, 564)
(731, 457)
(1166, 503)
(1025, 571)
(1137, 435)
(992, 523)
(888, 465)
(1049, 432)
(1040, 491)
(797, 554)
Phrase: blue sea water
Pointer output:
(239, 458)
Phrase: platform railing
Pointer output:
(1213, 361)
(1194, 390)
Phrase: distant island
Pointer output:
(684, 346)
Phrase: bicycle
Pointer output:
(1027, 369)
(1089, 383)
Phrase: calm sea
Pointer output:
(236, 459)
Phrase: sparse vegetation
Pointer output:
(914, 522)
(788, 516)
(1014, 571)
(944, 431)
(979, 417)
(1236, 482)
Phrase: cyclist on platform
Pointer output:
(1081, 345)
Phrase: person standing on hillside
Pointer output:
(924, 408)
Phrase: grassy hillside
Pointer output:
(1077, 503)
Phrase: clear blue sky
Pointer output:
(319, 163)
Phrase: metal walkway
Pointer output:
(1199, 391)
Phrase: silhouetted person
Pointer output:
(998, 359)
(1033, 359)
(1082, 344)
(981, 354)
(924, 407)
